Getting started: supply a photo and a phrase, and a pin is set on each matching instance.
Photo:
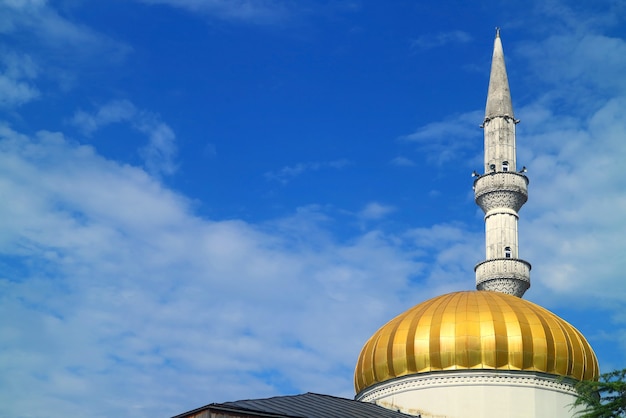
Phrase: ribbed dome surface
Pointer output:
(475, 330)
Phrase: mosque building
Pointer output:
(486, 353)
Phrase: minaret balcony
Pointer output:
(504, 189)
(500, 270)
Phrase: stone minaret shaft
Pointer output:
(501, 190)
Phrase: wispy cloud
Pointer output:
(112, 112)
(39, 45)
(160, 152)
(287, 173)
(16, 76)
(375, 211)
(449, 251)
(402, 162)
(252, 11)
(556, 60)
(448, 139)
(40, 22)
(436, 40)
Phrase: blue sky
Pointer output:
(210, 200)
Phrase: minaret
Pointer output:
(501, 190)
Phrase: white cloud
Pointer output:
(112, 112)
(50, 47)
(160, 152)
(375, 210)
(450, 139)
(117, 300)
(37, 19)
(19, 66)
(16, 77)
(15, 93)
(558, 60)
(449, 252)
(577, 196)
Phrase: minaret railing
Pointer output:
(506, 189)
(508, 275)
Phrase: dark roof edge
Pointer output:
(220, 408)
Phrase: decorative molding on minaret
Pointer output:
(501, 190)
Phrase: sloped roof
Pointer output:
(308, 405)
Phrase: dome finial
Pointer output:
(497, 32)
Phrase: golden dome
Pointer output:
(475, 330)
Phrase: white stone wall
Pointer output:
(476, 394)
(501, 232)
(500, 143)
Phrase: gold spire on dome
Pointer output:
(475, 330)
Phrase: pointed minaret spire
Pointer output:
(501, 190)
(499, 96)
